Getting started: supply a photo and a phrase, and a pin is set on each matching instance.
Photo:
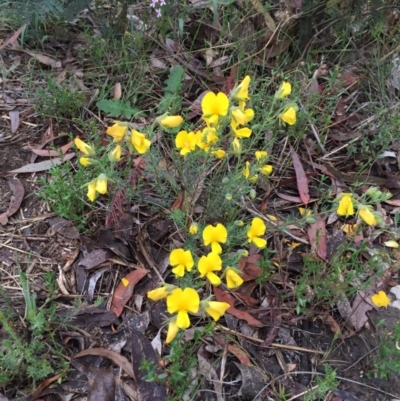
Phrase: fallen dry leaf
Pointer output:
(301, 178)
(14, 120)
(16, 199)
(143, 350)
(51, 153)
(43, 166)
(51, 62)
(124, 291)
(250, 270)
(13, 37)
(318, 238)
(224, 296)
(235, 350)
(118, 359)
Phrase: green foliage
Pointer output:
(324, 385)
(388, 359)
(58, 102)
(181, 362)
(171, 100)
(25, 353)
(62, 192)
(33, 11)
(118, 107)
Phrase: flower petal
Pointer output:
(183, 320)
(233, 280)
(158, 293)
(171, 121)
(380, 299)
(173, 330)
(216, 309)
(289, 116)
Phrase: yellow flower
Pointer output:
(115, 155)
(214, 105)
(206, 138)
(219, 153)
(284, 90)
(260, 154)
(207, 265)
(305, 212)
(160, 293)
(84, 147)
(346, 207)
(237, 146)
(172, 331)
(266, 170)
(391, 244)
(289, 116)
(171, 121)
(101, 184)
(92, 193)
(216, 309)
(256, 230)
(214, 236)
(242, 117)
(117, 131)
(193, 229)
(86, 161)
(182, 260)
(246, 173)
(366, 215)
(139, 142)
(183, 301)
(242, 91)
(244, 132)
(186, 142)
(233, 280)
(380, 299)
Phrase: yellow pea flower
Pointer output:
(284, 90)
(186, 142)
(237, 146)
(266, 170)
(182, 260)
(233, 280)
(260, 154)
(215, 309)
(139, 142)
(244, 132)
(92, 193)
(214, 236)
(246, 173)
(381, 300)
(305, 212)
(172, 331)
(86, 149)
(366, 215)
(117, 131)
(256, 230)
(115, 154)
(214, 105)
(183, 301)
(219, 153)
(242, 117)
(101, 184)
(193, 229)
(160, 293)
(206, 138)
(171, 121)
(86, 161)
(207, 265)
(289, 116)
(391, 244)
(345, 207)
(242, 91)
